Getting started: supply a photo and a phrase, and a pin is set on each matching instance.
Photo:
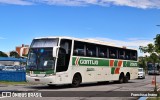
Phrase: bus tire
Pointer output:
(121, 78)
(128, 75)
(77, 79)
(126, 78)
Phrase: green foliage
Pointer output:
(157, 42)
(143, 49)
(153, 50)
(2, 54)
(25, 55)
(13, 83)
(142, 63)
(150, 48)
(154, 57)
(14, 54)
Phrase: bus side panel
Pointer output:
(104, 74)
(134, 72)
(63, 78)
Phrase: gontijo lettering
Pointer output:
(89, 62)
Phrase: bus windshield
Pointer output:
(40, 55)
(40, 59)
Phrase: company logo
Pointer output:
(89, 62)
(79, 61)
(133, 64)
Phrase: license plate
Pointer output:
(37, 79)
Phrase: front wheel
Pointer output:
(76, 80)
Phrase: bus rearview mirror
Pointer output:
(55, 53)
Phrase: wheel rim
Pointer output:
(76, 81)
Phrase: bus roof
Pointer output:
(94, 41)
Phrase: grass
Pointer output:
(12, 83)
(155, 98)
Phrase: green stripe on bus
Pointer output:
(124, 63)
(81, 61)
(89, 62)
(115, 62)
(112, 70)
(73, 60)
(42, 72)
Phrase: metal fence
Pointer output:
(14, 76)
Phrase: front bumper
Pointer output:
(140, 76)
(41, 80)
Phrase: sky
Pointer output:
(130, 23)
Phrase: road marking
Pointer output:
(3, 97)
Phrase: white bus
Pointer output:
(66, 60)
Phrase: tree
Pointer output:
(154, 58)
(150, 48)
(157, 42)
(154, 51)
(142, 62)
(25, 55)
(2, 54)
(14, 54)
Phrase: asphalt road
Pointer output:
(93, 91)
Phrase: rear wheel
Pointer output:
(76, 80)
(126, 78)
(121, 79)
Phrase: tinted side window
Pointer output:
(90, 50)
(79, 49)
(102, 52)
(133, 55)
(112, 53)
(121, 54)
(127, 55)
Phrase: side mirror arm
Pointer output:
(55, 53)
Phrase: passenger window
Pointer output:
(133, 55)
(102, 52)
(91, 50)
(121, 54)
(127, 55)
(78, 49)
(113, 53)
